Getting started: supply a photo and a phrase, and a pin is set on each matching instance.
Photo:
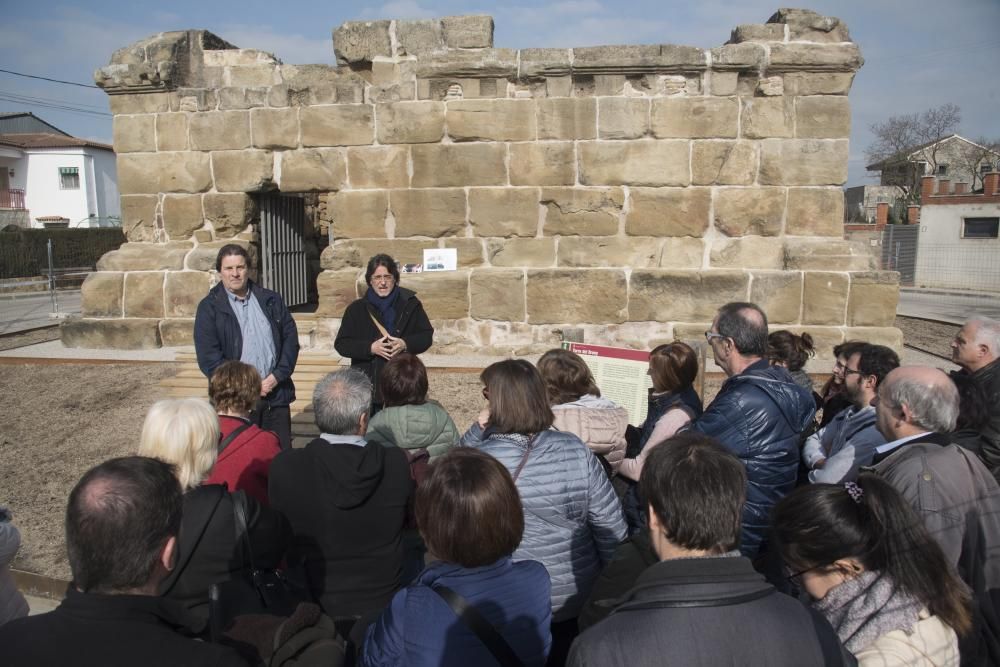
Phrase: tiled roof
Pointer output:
(48, 140)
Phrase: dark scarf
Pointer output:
(386, 307)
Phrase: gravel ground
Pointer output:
(929, 336)
(29, 338)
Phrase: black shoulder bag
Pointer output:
(225, 442)
(483, 629)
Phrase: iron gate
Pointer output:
(899, 251)
(283, 254)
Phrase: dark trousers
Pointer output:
(277, 418)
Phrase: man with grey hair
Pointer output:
(948, 486)
(976, 349)
(346, 499)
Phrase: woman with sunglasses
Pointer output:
(874, 572)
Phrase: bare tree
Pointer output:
(913, 137)
(974, 154)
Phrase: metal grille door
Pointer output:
(899, 251)
(283, 255)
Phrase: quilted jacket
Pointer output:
(425, 426)
(572, 518)
(12, 603)
(600, 423)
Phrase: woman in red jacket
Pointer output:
(246, 451)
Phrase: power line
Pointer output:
(44, 78)
(45, 105)
(35, 98)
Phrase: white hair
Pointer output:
(184, 432)
(933, 406)
(987, 333)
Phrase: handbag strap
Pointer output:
(378, 325)
(225, 442)
(482, 628)
(524, 459)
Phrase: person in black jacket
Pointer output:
(387, 320)
(241, 321)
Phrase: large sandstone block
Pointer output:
(275, 128)
(623, 117)
(824, 339)
(570, 296)
(410, 122)
(779, 293)
(470, 252)
(313, 170)
(888, 336)
(643, 162)
(182, 215)
(497, 294)
(177, 333)
(359, 214)
(791, 57)
(683, 296)
(172, 132)
(748, 252)
(132, 134)
(183, 290)
(682, 252)
(355, 253)
(815, 212)
(243, 171)
(873, 299)
(139, 103)
(101, 294)
(337, 125)
(146, 257)
(521, 252)
(826, 255)
(546, 163)
(418, 36)
(219, 130)
(668, 211)
(144, 294)
(459, 165)
(491, 120)
(468, 32)
(803, 162)
(608, 251)
(503, 212)
(744, 211)
(164, 172)
(695, 117)
(445, 294)
(724, 162)
(203, 257)
(825, 298)
(139, 216)
(580, 211)
(567, 118)
(132, 334)
(337, 290)
(229, 213)
(431, 213)
(378, 167)
(818, 83)
(766, 117)
(822, 117)
(361, 41)
(807, 25)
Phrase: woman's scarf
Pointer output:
(386, 307)
(866, 607)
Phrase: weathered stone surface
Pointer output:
(818, 83)
(144, 294)
(744, 56)
(579, 211)
(888, 336)
(826, 255)
(145, 257)
(101, 293)
(130, 334)
(743, 211)
(194, 99)
(623, 117)
(459, 165)
(359, 214)
(275, 128)
(337, 290)
(770, 86)
(378, 167)
(608, 251)
(243, 171)
(567, 118)
(468, 32)
(723, 83)
(355, 253)
(748, 252)
(651, 57)
(815, 212)
(694, 117)
(497, 294)
(815, 57)
(723, 162)
(683, 296)
(807, 25)
(873, 299)
(771, 32)
(410, 122)
(824, 340)
(779, 293)
(521, 252)
(164, 172)
(313, 170)
(361, 41)
(337, 125)
(229, 213)
(470, 252)
(642, 162)
(203, 236)
(491, 120)
(219, 130)
(825, 298)
(202, 258)
(139, 217)
(445, 294)
(503, 212)
(803, 162)
(244, 98)
(765, 117)
(822, 117)
(568, 296)
(171, 132)
(182, 214)
(139, 103)
(668, 212)
(431, 213)
(462, 64)
(134, 134)
(682, 252)
(418, 36)
(545, 163)
(545, 64)
(177, 333)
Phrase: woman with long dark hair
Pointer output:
(874, 572)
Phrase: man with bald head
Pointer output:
(948, 486)
(976, 349)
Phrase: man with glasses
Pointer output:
(836, 452)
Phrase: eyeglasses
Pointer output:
(709, 335)
(383, 279)
(795, 576)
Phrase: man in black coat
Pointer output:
(976, 349)
(240, 320)
(122, 523)
(703, 603)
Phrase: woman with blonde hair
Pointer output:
(185, 432)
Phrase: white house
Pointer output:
(48, 176)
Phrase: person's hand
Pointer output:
(382, 348)
(484, 417)
(267, 385)
(819, 464)
(396, 345)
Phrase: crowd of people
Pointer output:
(774, 525)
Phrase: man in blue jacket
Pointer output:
(758, 415)
(240, 320)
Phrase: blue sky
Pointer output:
(919, 53)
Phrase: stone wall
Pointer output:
(623, 190)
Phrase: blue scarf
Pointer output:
(386, 307)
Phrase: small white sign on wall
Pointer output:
(440, 259)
